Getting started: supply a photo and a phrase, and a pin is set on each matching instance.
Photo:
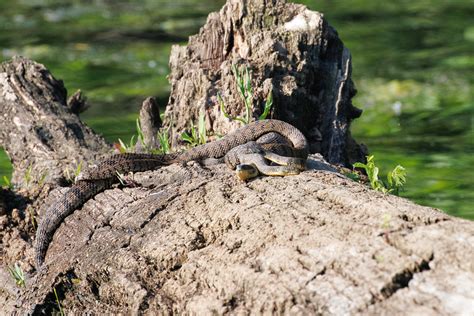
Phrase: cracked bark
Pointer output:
(195, 240)
(38, 131)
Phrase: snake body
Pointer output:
(104, 174)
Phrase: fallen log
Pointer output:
(194, 239)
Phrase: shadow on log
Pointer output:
(194, 239)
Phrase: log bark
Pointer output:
(195, 240)
(198, 241)
(38, 131)
(150, 123)
(292, 52)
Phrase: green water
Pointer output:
(412, 64)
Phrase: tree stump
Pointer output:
(39, 132)
(195, 240)
(292, 52)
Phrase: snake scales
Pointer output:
(238, 148)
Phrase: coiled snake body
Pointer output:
(239, 148)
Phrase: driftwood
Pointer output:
(194, 239)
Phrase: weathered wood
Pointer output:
(77, 102)
(150, 122)
(42, 137)
(198, 241)
(292, 52)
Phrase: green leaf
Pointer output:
(186, 137)
(123, 147)
(360, 165)
(202, 129)
(268, 106)
(164, 141)
(222, 106)
(141, 136)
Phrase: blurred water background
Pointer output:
(413, 65)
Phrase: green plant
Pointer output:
(42, 178)
(17, 274)
(124, 148)
(163, 138)
(243, 79)
(268, 106)
(8, 183)
(379, 258)
(198, 135)
(386, 218)
(72, 175)
(125, 179)
(352, 175)
(139, 137)
(61, 311)
(395, 178)
(28, 178)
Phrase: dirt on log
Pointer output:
(195, 240)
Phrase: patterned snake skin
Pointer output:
(103, 175)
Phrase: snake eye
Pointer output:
(244, 168)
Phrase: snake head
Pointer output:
(246, 171)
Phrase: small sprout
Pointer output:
(163, 138)
(141, 136)
(198, 135)
(268, 106)
(7, 182)
(17, 274)
(202, 129)
(122, 147)
(61, 312)
(42, 178)
(68, 175)
(227, 115)
(71, 176)
(127, 148)
(78, 170)
(243, 79)
(395, 178)
(353, 176)
(189, 138)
